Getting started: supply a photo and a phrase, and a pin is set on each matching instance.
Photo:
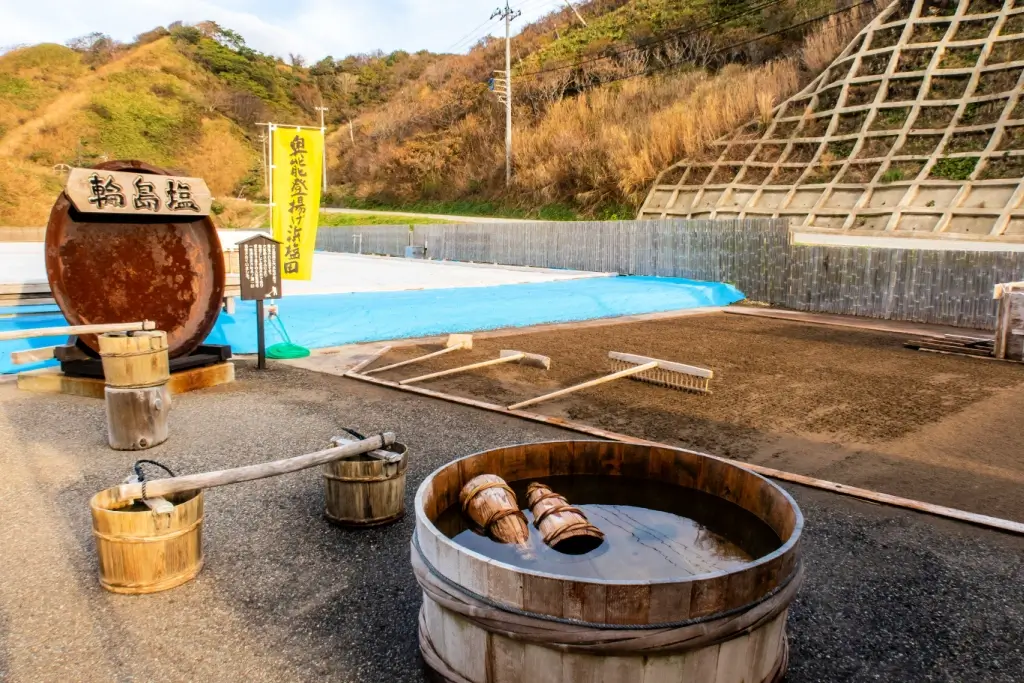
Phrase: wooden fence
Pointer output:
(756, 255)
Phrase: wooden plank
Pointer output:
(733, 660)
(69, 330)
(507, 659)
(143, 194)
(541, 665)
(32, 355)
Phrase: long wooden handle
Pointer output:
(403, 363)
(164, 487)
(77, 329)
(586, 385)
(483, 364)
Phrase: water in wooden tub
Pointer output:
(652, 531)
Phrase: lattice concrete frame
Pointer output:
(837, 158)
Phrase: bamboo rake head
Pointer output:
(666, 374)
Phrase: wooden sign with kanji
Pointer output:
(95, 191)
(259, 266)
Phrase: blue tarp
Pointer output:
(318, 321)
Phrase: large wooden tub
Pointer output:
(483, 621)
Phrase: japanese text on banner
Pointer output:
(297, 160)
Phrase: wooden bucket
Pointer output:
(141, 551)
(134, 359)
(365, 491)
(731, 623)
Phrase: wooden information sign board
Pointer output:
(259, 266)
(125, 192)
(259, 263)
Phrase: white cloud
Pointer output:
(313, 28)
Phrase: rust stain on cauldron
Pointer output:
(109, 269)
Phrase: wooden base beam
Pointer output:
(53, 381)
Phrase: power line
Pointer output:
(489, 25)
(665, 38)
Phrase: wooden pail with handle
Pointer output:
(368, 489)
(142, 551)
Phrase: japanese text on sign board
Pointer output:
(261, 269)
(134, 193)
(297, 157)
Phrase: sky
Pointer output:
(311, 28)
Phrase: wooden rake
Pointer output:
(455, 342)
(506, 356)
(641, 368)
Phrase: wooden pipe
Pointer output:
(491, 504)
(192, 482)
(69, 330)
(564, 527)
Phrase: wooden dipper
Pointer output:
(491, 504)
(564, 527)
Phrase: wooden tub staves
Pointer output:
(135, 359)
(366, 490)
(142, 551)
(486, 621)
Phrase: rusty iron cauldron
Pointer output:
(117, 268)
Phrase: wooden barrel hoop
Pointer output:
(145, 552)
(484, 621)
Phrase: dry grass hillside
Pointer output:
(600, 110)
(149, 103)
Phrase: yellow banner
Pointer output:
(297, 167)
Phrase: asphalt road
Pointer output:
(890, 595)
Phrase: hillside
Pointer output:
(600, 109)
(917, 129)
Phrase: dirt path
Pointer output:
(54, 112)
(836, 403)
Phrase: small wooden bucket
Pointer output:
(135, 359)
(141, 551)
(366, 491)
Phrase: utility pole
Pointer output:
(509, 16)
(576, 12)
(323, 131)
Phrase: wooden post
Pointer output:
(138, 402)
(261, 340)
(137, 417)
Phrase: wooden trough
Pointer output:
(484, 621)
(143, 550)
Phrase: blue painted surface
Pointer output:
(319, 321)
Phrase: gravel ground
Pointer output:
(890, 595)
